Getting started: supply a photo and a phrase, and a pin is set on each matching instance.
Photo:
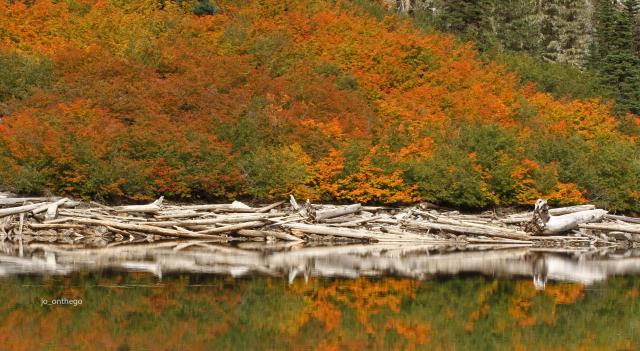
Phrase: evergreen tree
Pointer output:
(565, 31)
(470, 19)
(615, 55)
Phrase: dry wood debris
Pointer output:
(63, 220)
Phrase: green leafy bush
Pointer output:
(19, 74)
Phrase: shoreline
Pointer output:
(41, 219)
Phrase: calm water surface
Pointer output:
(207, 296)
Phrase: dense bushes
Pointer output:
(308, 97)
(20, 73)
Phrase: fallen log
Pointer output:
(149, 208)
(20, 209)
(140, 228)
(559, 224)
(21, 200)
(232, 228)
(623, 218)
(627, 228)
(496, 232)
(525, 217)
(337, 212)
(343, 232)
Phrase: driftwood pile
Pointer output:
(62, 220)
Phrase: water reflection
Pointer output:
(297, 261)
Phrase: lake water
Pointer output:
(209, 296)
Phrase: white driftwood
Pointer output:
(525, 217)
(149, 208)
(20, 200)
(342, 232)
(141, 228)
(467, 229)
(623, 218)
(52, 209)
(20, 209)
(563, 223)
(232, 228)
(337, 212)
(269, 207)
(627, 228)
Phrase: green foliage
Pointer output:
(608, 170)
(561, 80)
(450, 178)
(327, 69)
(274, 51)
(273, 172)
(347, 82)
(205, 8)
(615, 53)
(19, 74)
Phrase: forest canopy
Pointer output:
(328, 100)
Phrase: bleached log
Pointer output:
(149, 208)
(525, 217)
(342, 232)
(563, 223)
(177, 214)
(623, 218)
(356, 222)
(337, 212)
(238, 204)
(221, 219)
(570, 209)
(496, 232)
(20, 200)
(20, 209)
(52, 209)
(294, 203)
(627, 228)
(140, 228)
(269, 207)
(232, 228)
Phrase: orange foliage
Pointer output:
(564, 294)
(151, 100)
(527, 192)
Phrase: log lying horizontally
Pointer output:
(292, 223)
(559, 224)
(627, 228)
(20, 209)
(337, 212)
(495, 232)
(152, 207)
(525, 217)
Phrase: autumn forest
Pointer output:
(343, 100)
